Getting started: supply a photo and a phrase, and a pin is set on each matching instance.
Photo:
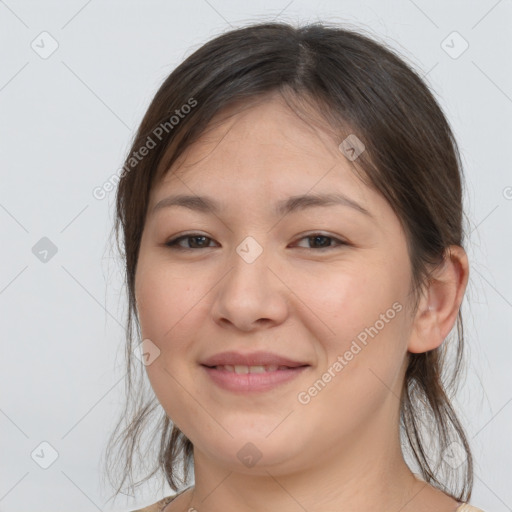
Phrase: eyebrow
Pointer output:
(207, 204)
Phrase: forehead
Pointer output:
(266, 137)
(267, 127)
(251, 153)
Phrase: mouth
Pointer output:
(242, 379)
(255, 360)
(244, 369)
(240, 372)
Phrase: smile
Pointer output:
(248, 379)
(250, 369)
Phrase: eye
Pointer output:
(322, 241)
(197, 238)
(200, 241)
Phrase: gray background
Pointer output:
(66, 123)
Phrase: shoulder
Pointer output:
(466, 507)
(156, 507)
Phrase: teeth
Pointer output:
(241, 369)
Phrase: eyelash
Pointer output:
(173, 243)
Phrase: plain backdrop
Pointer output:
(75, 80)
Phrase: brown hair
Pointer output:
(360, 87)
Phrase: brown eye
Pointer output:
(198, 242)
(321, 241)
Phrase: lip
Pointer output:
(252, 382)
(251, 359)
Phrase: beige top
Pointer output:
(160, 505)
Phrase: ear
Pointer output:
(440, 302)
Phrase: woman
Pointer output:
(291, 212)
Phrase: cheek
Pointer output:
(152, 305)
(365, 310)
(362, 307)
(168, 306)
(343, 298)
(163, 298)
(172, 309)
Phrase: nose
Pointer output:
(252, 295)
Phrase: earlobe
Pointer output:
(440, 303)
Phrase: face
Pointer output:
(324, 286)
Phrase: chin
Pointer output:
(251, 453)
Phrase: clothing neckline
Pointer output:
(169, 499)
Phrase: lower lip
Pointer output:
(251, 382)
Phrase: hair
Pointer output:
(357, 86)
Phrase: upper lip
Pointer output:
(250, 359)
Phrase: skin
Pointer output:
(341, 451)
